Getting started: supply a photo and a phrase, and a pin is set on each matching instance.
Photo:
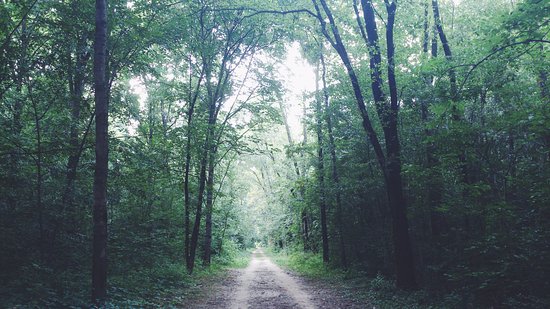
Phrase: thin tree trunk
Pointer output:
(303, 213)
(543, 77)
(289, 137)
(455, 113)
(338, 45)
(207, 151)
(76, 82)
(99, 261)
(198, 213)
(334, 168)
(192, 98)
(426, 33)
(321, 170)
(402, 242)
(404, 258)
(209, 207)
(222, 236)
(38, 161)
(76, 85)
(446, 50)
(433, 190)
(20, 74)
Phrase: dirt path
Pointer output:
(265, 285)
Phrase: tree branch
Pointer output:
(494, 52)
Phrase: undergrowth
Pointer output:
(169, 285)
(378, 291)
(164, 283)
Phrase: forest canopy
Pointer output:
(147, 142)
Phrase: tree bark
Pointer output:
(338, 45)
(209, 207)
(543, 77)
(390, 162)
(39, 178)
(404, 258)
(434, 188)
(202, 187)
(192, 99)
(206, 153)
(446, 50)
(76, 86)
(402, 242)
(321, 171)
(99, 261)
(19, 74)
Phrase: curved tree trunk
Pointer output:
(390, 162)
(192, 98)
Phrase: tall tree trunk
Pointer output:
(99, 261)
(338, 45)
(207, 151)
(193, 242)
(402, 242)
(434, 188)
(76, 86)
(76, 82)
(192, 99)
(404, 258)
(209, 207)
(426, 27)
(543, 77)
(38, 161)
(446, 50)
(20, 73)
(321, 170)
(390, 162)
(224, 228)
(334, 169)
(455, 113)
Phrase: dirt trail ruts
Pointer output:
(265, 285)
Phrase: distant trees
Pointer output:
(197, 101)
(451, 126)
(448, 191)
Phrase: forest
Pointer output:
(148, 146)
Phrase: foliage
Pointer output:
(476, 167)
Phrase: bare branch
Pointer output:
(496, 51)
(255, 11)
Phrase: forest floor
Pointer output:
(263, 284)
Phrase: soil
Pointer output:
(265, 285)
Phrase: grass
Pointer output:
(377, 292)
(168, 285)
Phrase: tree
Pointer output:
(101, 86)
(390, 162)
(321, 167)
(334, 169)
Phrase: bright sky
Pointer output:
(298, 78)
